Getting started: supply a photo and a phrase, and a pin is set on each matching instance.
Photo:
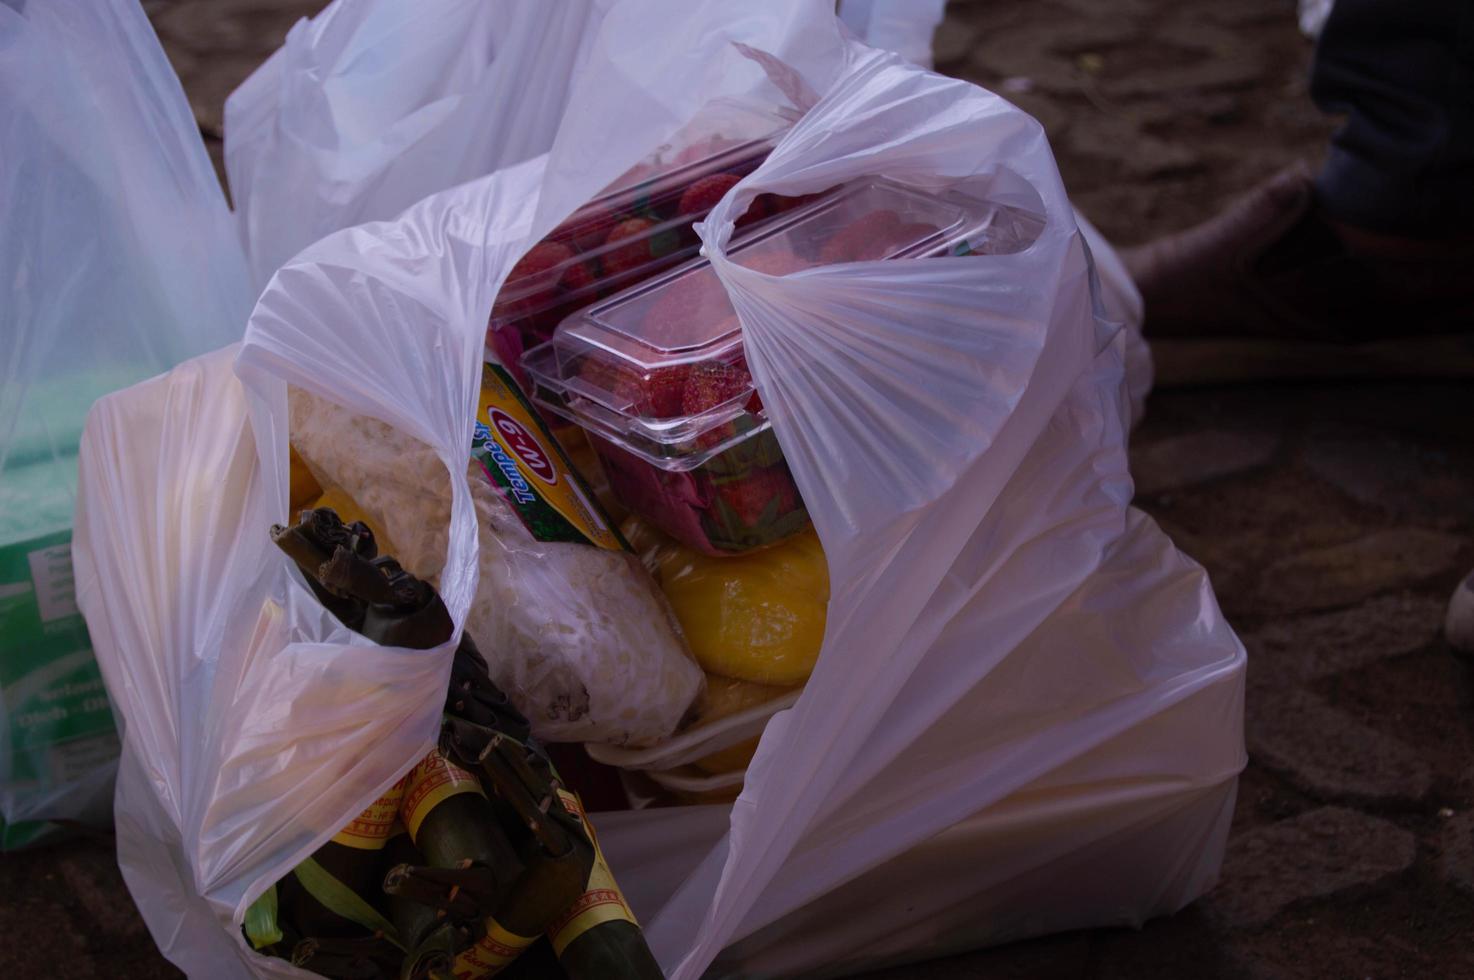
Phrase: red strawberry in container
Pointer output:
(712, 384)
(760, 496)
(657, 394)
(626, 247)
(652, 394)
(535, 276)
(518, 317)
(703, 195)
(587, 229)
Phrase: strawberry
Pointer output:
(909, 234)
(586, 229)
(892, 240)
(506, 341)
(774, 261)
(703, 195)
(752, 498)
(618, 259)
(577, 278)
(655, 394)
(858, 238)
(779, 203)
(601, 374)
(659, 393)
(686, 309)
(532, 278)
(714, 383)
(761, 207)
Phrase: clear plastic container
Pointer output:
(657, 378)
(640, 226)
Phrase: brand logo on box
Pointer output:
(524, 446)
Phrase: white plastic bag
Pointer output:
(903, 26)
(366, 109)
(1023, 684)
(119, 260)
(907, 27)
(373, 104)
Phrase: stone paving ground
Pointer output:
(1334, 519)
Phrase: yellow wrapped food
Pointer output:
(725, 696)
(756, 617)
(303, 487)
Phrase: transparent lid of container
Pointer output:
(726, 137)
(663, 362)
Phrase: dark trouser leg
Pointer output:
(1403, 73)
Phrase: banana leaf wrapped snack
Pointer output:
(478, 854)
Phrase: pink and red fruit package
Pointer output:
(657, 377)
(639, 227)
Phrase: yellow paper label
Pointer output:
(601, 902)
(495, 951)
(434, 780)
(521, 459)
(371, 829)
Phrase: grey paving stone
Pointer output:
(1185, 945)
(35, 954)
(1209, 74)
(1049, 60)
(1456, 863)
(95, 886)
(1064, 957)
(953, 42)
(1314, 855)
(1402, 478)
(1306, 648)
(1326, 752)
(1136, 154)
(1339, 575)
(1185, 460)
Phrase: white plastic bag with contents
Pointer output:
(1027, 712)
(118, 260)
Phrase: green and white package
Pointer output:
(120, 259)
(58, 743)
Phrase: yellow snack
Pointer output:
(756, 617)
(711, 796)
(730, 759)
(725, 696)
(303, 487)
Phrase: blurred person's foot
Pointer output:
(1273, 287)
(1458, 625)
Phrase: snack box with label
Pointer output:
(640, 226)
(657, 378)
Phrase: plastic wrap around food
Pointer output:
(577, 634)
(639, 227)
(658, 378)
(755, 623)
